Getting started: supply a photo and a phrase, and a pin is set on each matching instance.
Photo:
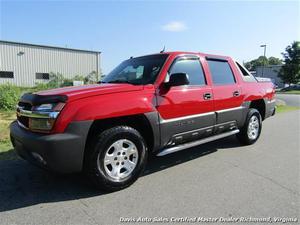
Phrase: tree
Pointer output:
(274, 61)
(262, 61)
(290, 71)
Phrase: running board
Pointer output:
(195, 143)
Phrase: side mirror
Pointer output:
(178, 79)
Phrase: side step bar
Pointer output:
(195, 143)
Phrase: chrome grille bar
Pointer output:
(37, 114)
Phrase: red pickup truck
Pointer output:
(158, 104)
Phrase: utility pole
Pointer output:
(265, 49)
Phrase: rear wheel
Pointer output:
(117, 158)
(251, 130)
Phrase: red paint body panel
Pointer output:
(184, 101)
(101, 101)
(107, 106)
(224, 99)
(77, 92)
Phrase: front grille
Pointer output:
(23, 120)
(34, 119)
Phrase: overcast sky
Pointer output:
(131, 28)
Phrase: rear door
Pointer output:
(186, 112)
(228, 97)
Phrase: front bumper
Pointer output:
(62, 153)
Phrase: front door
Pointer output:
(186, 112)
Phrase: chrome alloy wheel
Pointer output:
(253, 127)
(120, 159)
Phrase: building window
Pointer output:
(6, 74)
(221, 72)
(42, 76)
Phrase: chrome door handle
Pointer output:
(207, 96)
(236, 93)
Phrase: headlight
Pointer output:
(42, 117)
(44, 107)
(49, 107)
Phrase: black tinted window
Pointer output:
(244, 72)
(6, 74)
(42, 76)
(192, 68)
(140, 70)
(247, 76)
(220, 72)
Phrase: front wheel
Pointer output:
(251, 130)
(117, 158)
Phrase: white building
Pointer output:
(270, 71)
(25, 64)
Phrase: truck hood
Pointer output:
(76, 92)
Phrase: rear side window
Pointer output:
(221, 72)
(243, 71)
(192, 68)
(247, 76)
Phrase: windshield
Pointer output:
(141, 70)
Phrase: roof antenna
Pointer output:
(162, 51)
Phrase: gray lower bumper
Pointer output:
(58, 152)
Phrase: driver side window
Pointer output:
(192, 68)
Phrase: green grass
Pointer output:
(6, 149)
(6, 117)
(285, 108)
(295, 92)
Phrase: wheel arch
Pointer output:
(144, 123)
(260, 105)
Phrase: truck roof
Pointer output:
(197, 53)
(190, 53)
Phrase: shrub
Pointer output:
(39, 87)
(67, 82)
(92, 78)
(9, 96)
(56, 80)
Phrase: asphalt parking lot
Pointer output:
(219, 179)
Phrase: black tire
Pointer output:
(243, 136)
(94, 158)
